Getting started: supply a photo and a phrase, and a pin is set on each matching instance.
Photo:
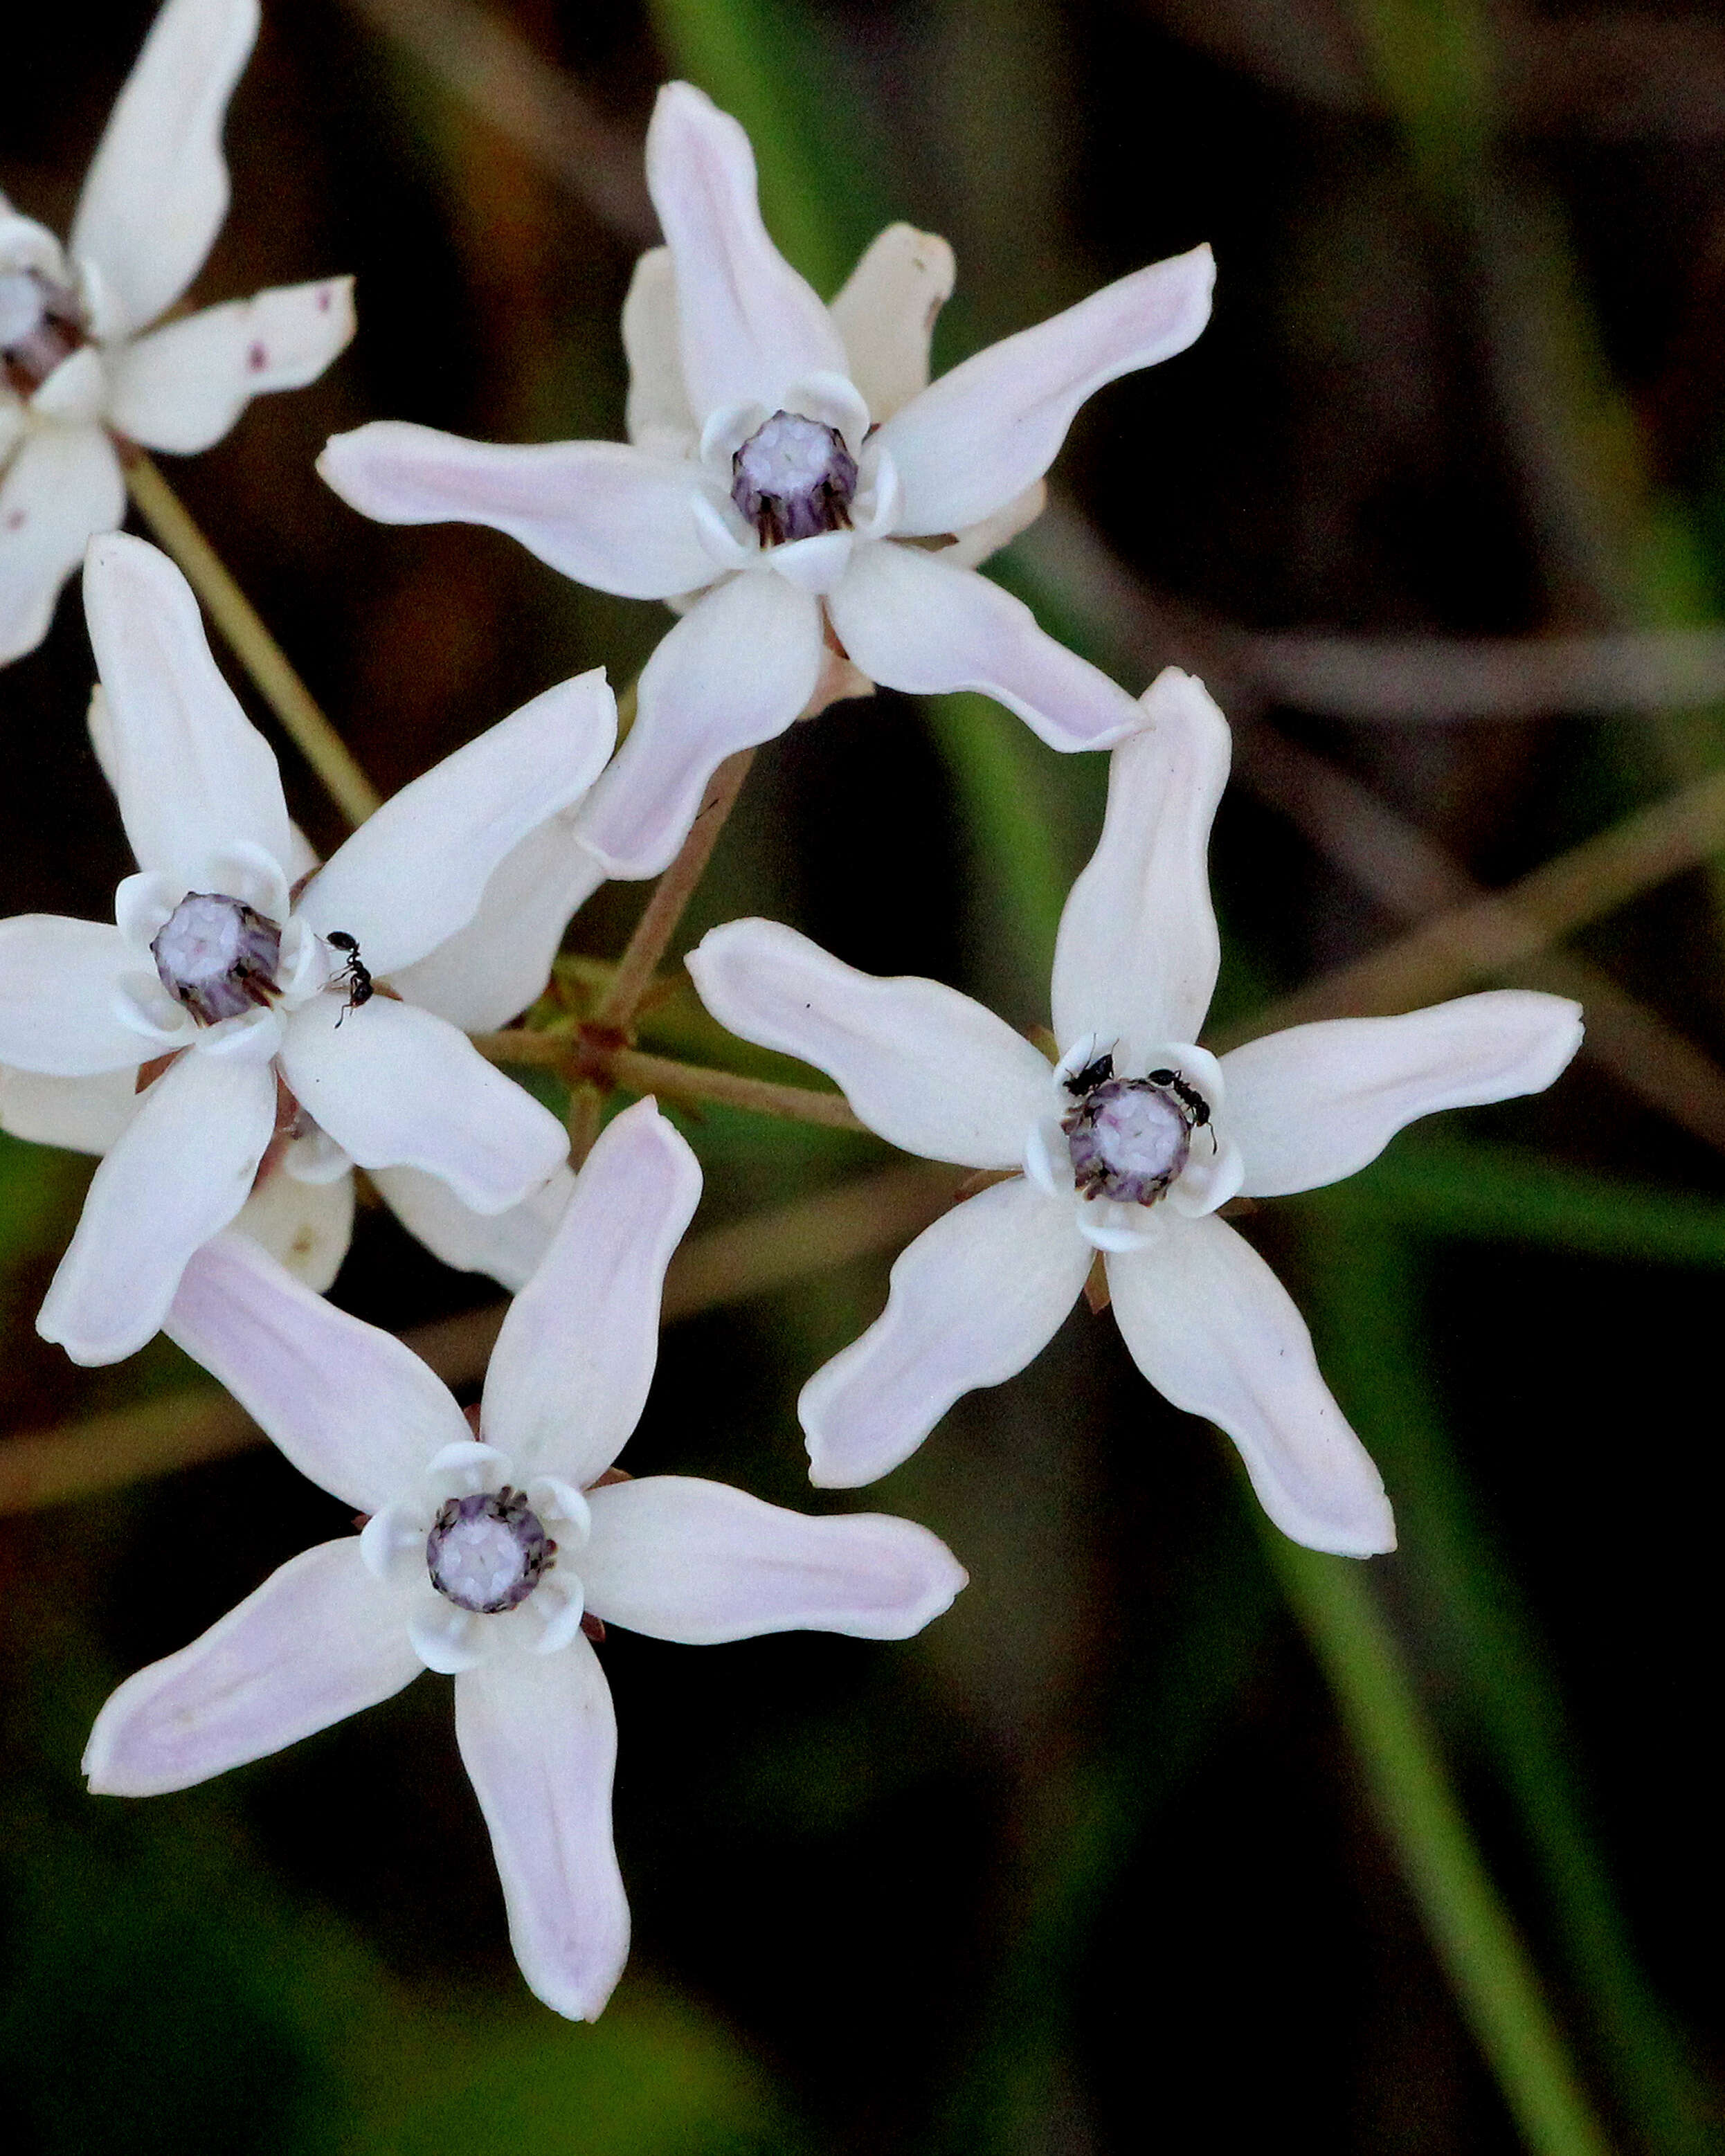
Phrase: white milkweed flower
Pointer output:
(249, 987)
(790, 470)
(80, 366)
(1128, 1146)
(483, 1559)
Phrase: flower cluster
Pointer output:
(254, 1025)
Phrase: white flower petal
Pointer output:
(182, 387)
(76, 393)
(602, 512)
(319, 1640)
(1214, 1331)
(910, 621)
(58, 981)
(539, 1737)
(396, 1087)
(657, 414)
(984, 433)
(1135, 961)
(570, 1372)
(157, 189)
(84, 1115)
(414, 873)
(1314, 1104)
(352, 1407)
(508, 1246)
(177, 1174)
(750, 326)
(928, 1069)
(976, 542)
(886, 312)
(24, 244)
(735, 671)
(192, 774)
(492, 970)
(699, 1562)
(63, 486)
(305, 1226)
(973, 1299)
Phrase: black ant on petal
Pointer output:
(1188, 1097)
(360, 989)
(1093, 1075)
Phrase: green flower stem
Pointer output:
(598, 1066)
(253, 645)
(1483, 1956)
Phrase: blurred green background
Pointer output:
(1099, 1864)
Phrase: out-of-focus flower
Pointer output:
(791, 473)
(1127, 1148)
(483, 1559)
(78, 370)
(252, 1013)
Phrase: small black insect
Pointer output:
(1188, 1097)
(1093, 1075)
(359, 981)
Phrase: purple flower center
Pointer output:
(794, 478)
(218, 956)
(1129, 1139)
(488, 1552)
(40, 325)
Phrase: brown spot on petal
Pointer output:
(258, 358)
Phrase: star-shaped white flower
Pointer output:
(483, 1559)
(254, 990)
(80, 366)
(1127, 1146)
(789, 469)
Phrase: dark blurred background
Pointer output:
(1092, 1867)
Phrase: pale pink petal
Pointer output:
(886, 315)
(912, 622)
(750, 326)
(657, 415)
(319, 1640)
(59, 985)
(352, 1407)
(973, 1299)
(538, 1737)
(1136, 956)
(604, 513)
(84, 1115)
(63, 486)
(193, 776)
(178, 1173)
(735, 671)
(699, 1562)
(487, 973)
(976, 542)
(182, 387)
(570, 1372)
(508, 1246)
(157, 190)
(305, 1227)
(928, 1069)
(981, 433)
(396, 1087)
(1316, 1103)
(1214, 1330)
(414, 873)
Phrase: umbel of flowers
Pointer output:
(254, 1025)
